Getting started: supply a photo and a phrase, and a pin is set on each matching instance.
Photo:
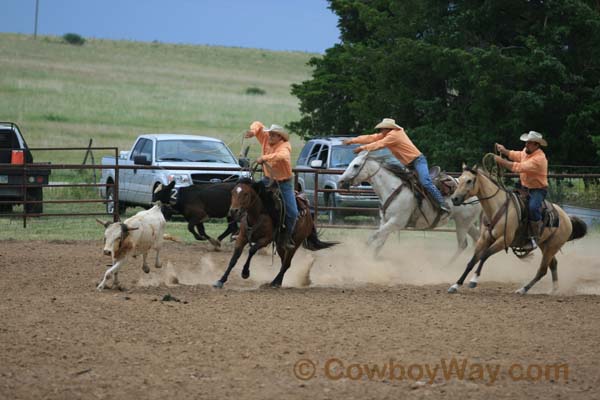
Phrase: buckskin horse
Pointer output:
(502, 214)
(253, 205)
(399, 205)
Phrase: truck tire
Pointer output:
(110, 196)
(38, 195)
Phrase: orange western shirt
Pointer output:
(532, 168)
(396, 140)
(279, 156)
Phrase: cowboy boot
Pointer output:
(287, 241)
(535, 229)
(445, 208)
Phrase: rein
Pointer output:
(361, 168)
(502, 211)
(391, 198)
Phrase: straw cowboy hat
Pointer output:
(533, 136)
(280, 131)
(387, 123)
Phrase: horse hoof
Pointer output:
(472, 285)
(146, 269)
(218, 285)
(245, 274)
(453, 289)
(275, 285)
(521, 291)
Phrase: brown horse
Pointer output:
(251, 203)
(502, 214)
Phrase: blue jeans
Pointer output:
(536, 198)
(289, 200)
(420, 165)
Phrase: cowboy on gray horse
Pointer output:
(397, 141)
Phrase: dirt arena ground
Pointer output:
(361, 329)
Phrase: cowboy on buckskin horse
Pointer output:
(394, 137)
(532, 166)
(277, 151)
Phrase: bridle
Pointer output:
(249, 205)
(478, 200)
(361, 168)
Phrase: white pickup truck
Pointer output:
(164, 151)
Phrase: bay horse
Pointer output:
(197, 203)
(253, 205)
(502, 213)
(399, 207)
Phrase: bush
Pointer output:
(255, 91)
(54, 117)
(73, 38)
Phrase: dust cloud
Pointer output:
(412, 258)
(424, 259)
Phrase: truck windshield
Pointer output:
(194, 151)
(342, 156)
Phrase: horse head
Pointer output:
(468, 185)
(243, 196)
(356, 171)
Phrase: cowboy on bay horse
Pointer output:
(277, 152)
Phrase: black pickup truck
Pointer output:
(14, 151)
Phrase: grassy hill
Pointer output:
(111, 91)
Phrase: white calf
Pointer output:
(137, 235)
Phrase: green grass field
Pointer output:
(111, 91)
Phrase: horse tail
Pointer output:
(579, 228)
(313, 243)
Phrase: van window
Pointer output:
(313, 153)
(304, 154)
(324, 154)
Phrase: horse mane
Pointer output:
(258, 187)
(483, 172)
(265, 196)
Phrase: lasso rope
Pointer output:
(489, 165)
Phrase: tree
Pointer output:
(461, 75)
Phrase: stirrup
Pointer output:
(444, 208)
(289, 243)
(532, 245)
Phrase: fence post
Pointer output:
(90, 153)
(316, 196)
(116, 189)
